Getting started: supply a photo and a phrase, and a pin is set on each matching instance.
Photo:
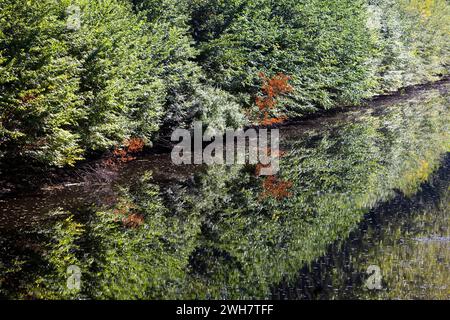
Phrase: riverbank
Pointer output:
(185, 232)
(225, 64)
(19, 177)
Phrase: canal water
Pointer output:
(358, 210)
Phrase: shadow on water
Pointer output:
(368, 187)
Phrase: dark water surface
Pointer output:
(367, 189)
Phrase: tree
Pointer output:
(66, 91)
(323, 45)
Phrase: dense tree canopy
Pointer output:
(65, 91)
(323, 45)
(134, 67)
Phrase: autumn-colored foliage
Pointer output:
(272, 186)
(271, 89)
(269, 152)
(275, 188)
(130, 220)
(134, 145)
(123, 208)
(275, 86)
(126, 153)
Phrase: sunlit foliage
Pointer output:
(66, 91)
(228, 234)
(137, 67)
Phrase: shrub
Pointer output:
(175, 52)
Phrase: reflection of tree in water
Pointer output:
(216, 236)
(118, 259)
(408, 238)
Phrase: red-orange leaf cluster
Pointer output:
(275, 188)
(275, 86)
(126, 153)
(134, 145)
(266, 121)
(132, 220)
(271, 89)
(272, 186)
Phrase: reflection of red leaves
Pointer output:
(123, 208)
(132, 220)
(277, 153)
(264, 103)
(272, 186)
(269, 152)
(258, 168)
(275, 188)
(28, 97)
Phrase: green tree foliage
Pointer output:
(65, 91)
(39, 83)
(412, 38)
(190, 95)
(136, 66)
(176, 53)
(322, 45)
(215, 235)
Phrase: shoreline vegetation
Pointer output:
(137, 69)
(94, 206)
(225, 232)
(23, 178)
